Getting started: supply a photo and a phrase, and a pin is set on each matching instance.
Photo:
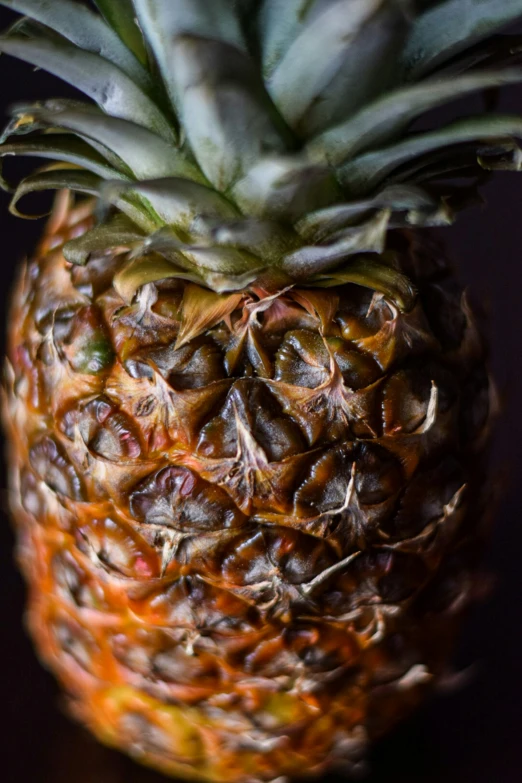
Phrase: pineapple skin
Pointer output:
(249, 556)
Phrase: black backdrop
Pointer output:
(470, 736)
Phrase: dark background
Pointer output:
(473, 735)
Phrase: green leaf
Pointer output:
(267, 239)
(121, 15)
(60, 176)
(102, 81)
(280, 22)
(226, 262)
(496, 53)
(28, 28)
(221, 283)
(144, 153)
(343, 57)
(366, 172)
(154, 267)
(85, 30)
(163, 21)
(319, 225)
(451, 27)
(374, 275)
(369, 237)
(285, 188)
(390, 115)
(61, 147)
(177, 201)
(188, 17)
(117, 232)
(71, 179)
(445, 164)
(214, 85)
(204, 259)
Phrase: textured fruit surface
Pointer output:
(248, 544)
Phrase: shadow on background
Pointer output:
(471, 736)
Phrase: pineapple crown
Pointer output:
(233, 142)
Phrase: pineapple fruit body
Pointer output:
(247, 554)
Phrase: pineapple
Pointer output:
(247, 402)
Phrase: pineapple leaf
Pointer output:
(318, 226)
(61, 147)
(221, 283)
(445, 164)
(497, 52)
(285, 188)
(226, 261)
(155, 266)
(219, 268)
(280, 22)
(177, 201)
(374, 275)
(365, 173)
(86, 30)
(68, 176)
(202, 309)
(228, 117)
(163, 21)
(102, 81)
(244, 243)
(452, 26)
(266, 239)
(144, 153)
(117, 232)
(54, 179)
(160, 19)
(120, 14)
(369, 237)
(390, 115)
(213, 83)
(342, 58)
(28, 28)
(143, 270)
(204, 259)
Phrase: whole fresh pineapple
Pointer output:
(247, 402)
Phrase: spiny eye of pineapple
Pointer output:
(247, 402)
